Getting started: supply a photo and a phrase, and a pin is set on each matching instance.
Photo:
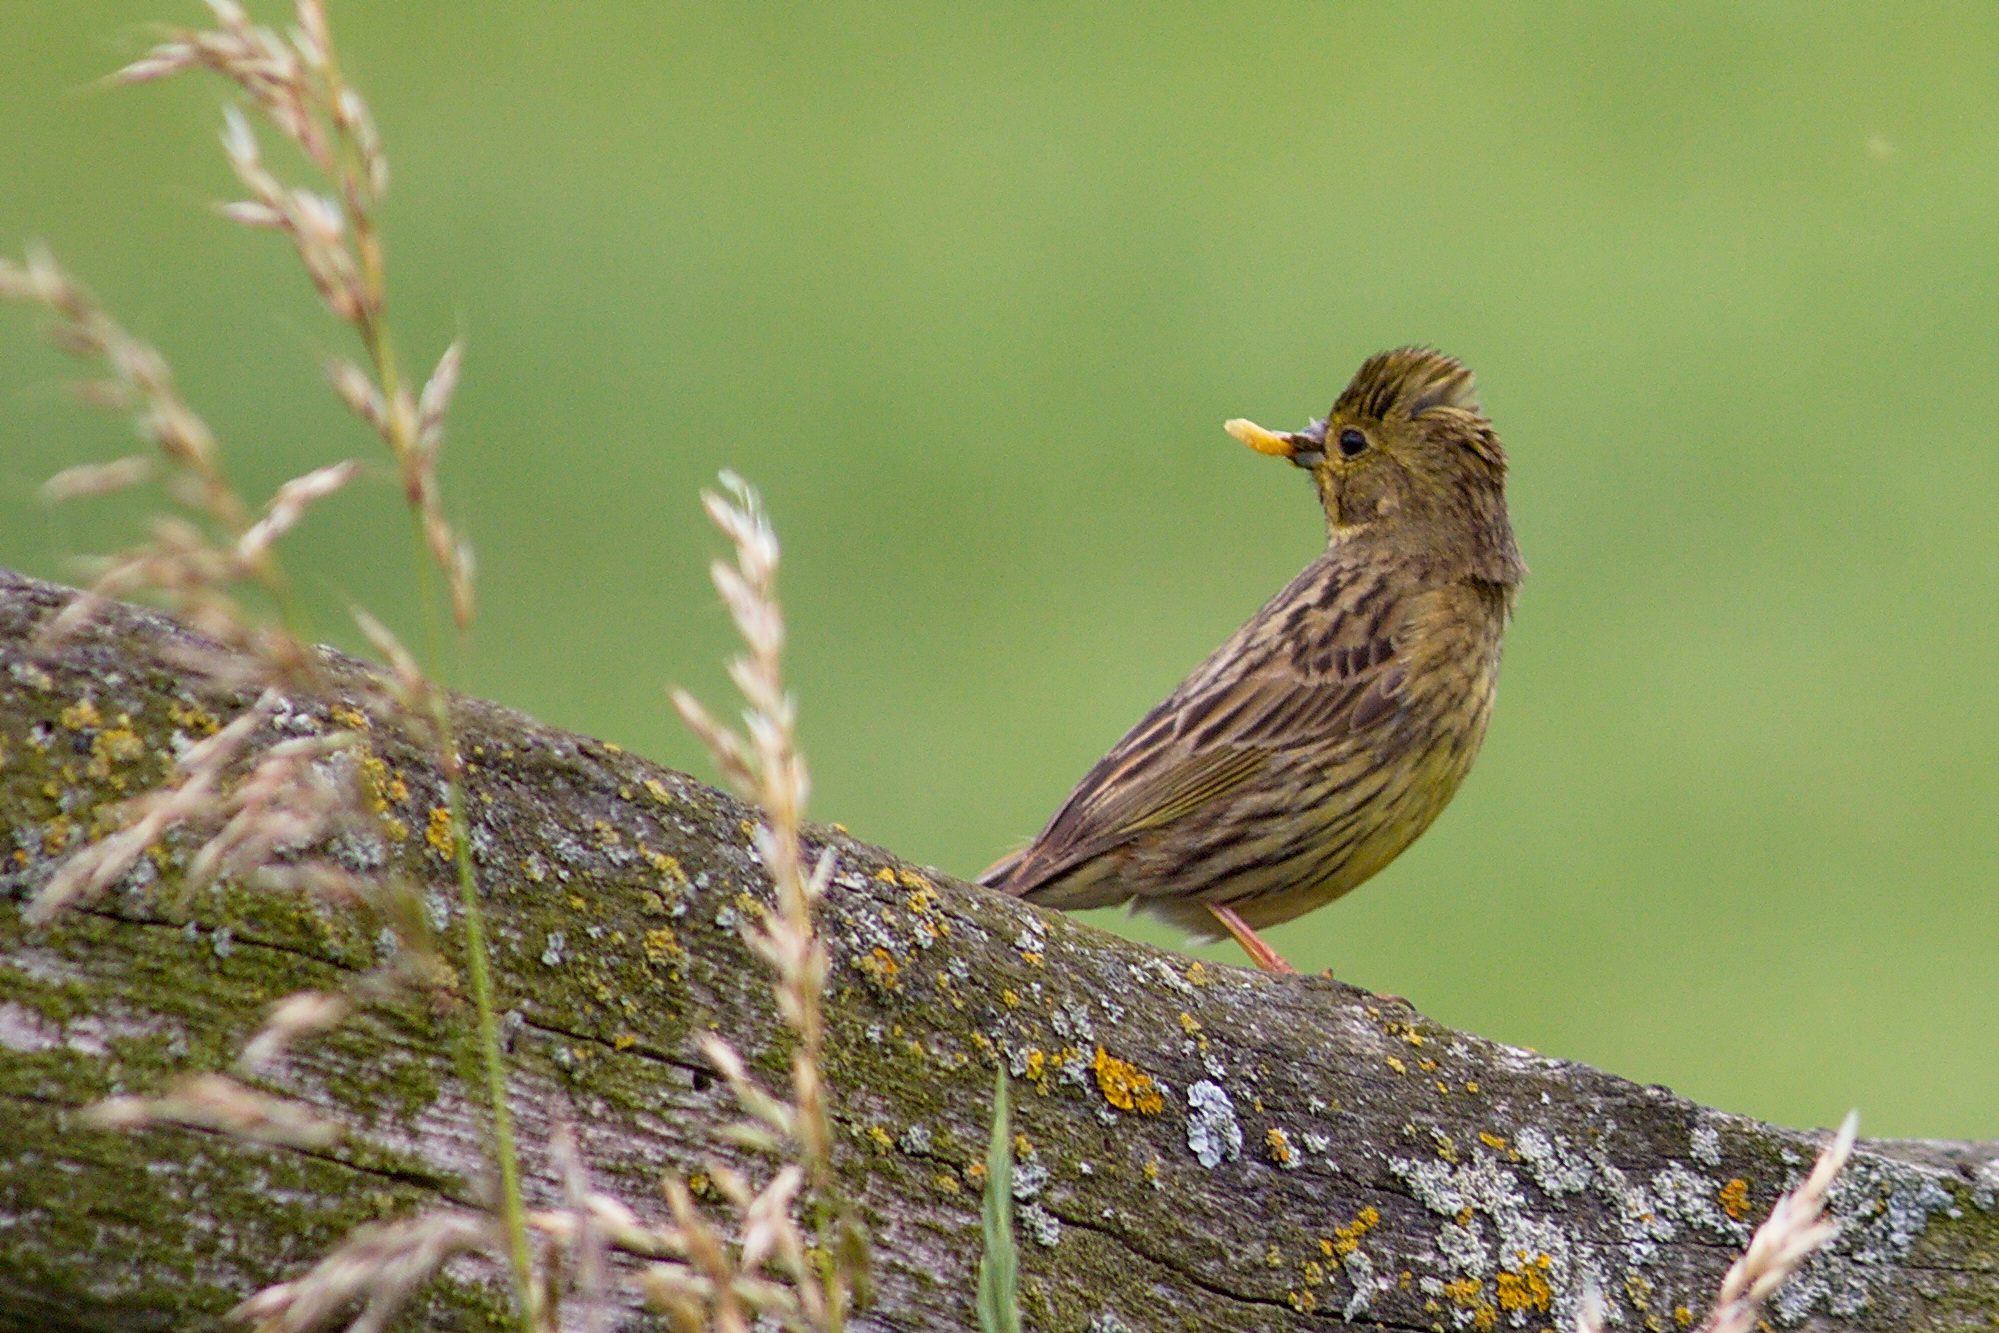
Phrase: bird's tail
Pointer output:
(999, 874)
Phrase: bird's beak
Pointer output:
(1306, 448)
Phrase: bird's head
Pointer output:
(1407, 454)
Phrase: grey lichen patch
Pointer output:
(1556, 1167)
(1029, 1177)
(1042, 1226)
(1532, 1262)
(1360, 1272)
(1985, 1185)
(1884, 1208)
(1641, 1220)
(1214, 1135)
(1692, 1199)
(1463, 1248)
(1705, 1145)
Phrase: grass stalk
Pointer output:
(999, 1266)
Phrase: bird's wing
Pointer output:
(1316, 665)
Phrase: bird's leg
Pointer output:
(1252, 944)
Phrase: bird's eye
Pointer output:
(1352, 443)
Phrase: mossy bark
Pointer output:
(1204, 1148)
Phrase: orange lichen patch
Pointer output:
(1528, 1288)
(1447, 1148)
(1032, 957)
(1683, 1316)
(1397, 1065)
(667, 866)
(1151, 1172)
(578, 903)
(607, 835)
(657, 790)
(947, 1182)
(879, 966)
(1192, 1027)
(1304, 1302)
(1471, 1086)
(1023, 1146)
(1427, 1066)
(1734, 1198)
(975, 1174)
(1124, 1086)
(1010, 999)
(611, 747)
(1034, 1066)
(351, 718)
(911, 880)
(196, 718)
(384, 787)
(1346, 1239)
(1197, 973)
(439, 834)
(80, 715)
(624, 1041)
(1469, 1294)
(56, 836)
(1492, 1141)
(663, 946)
(880, 1138)
(1312, 1271)
(114, 745)
(1278, 1146)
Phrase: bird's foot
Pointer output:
(1252, 944)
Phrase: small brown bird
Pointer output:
(1316, 744)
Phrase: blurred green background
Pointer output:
(969, 290)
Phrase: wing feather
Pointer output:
(1318, 664)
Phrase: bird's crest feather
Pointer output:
(1409, 381)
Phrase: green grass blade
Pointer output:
(999, 1268)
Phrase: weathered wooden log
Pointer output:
(1203, 1147)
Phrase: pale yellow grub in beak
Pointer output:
(1263, 441)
